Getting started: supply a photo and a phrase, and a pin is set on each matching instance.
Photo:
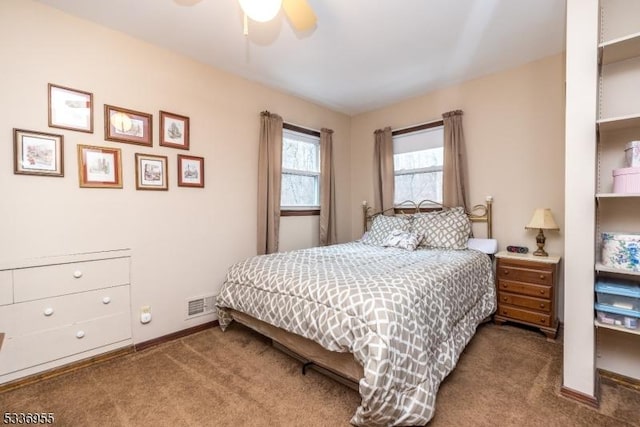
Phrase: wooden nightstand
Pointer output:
(526, 288)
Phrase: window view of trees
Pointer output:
(418, 175)
(300, 170)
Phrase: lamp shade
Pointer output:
(543, 220)
(261, 10)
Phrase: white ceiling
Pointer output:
(362, 55)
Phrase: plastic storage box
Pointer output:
(626, 180)
(618, 303)
(621, 251)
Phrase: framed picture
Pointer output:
(70, 109)
(190, 171)
(99, 167)
(174, 130)
(132, 127)
(151, 172)
(38, 153)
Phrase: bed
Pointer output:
(391, 319)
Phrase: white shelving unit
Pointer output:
(618, 123)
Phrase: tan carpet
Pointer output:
(507, 376)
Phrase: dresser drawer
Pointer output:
(47, 281)
(520, 274)
(525, 315)
(525, 289)
(524, 301)
(52, 313)
(34, 349)
(6, 288)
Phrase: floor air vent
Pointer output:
(201, 305)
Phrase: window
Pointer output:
(300, 170)
(418, 162)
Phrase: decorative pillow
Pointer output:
(403, 240)
(446, 229)
(382, 226)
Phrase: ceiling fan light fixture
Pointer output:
(261, 10)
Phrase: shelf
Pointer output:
(616, 328)
(604, 268)
(620, 49)
(620, 122)
(616, 195)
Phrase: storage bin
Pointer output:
(626, 180)
(610, 318)
(632, 154)
(618, 293)
(622, 251)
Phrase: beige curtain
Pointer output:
(269, 181)
(327, 190)
(455, 181)
(383, 178)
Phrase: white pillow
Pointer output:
(488, 246)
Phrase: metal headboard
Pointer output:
(478, 213)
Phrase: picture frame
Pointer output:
(190, 171)
(38, 153)
(174, 130)
(129, 126)
(151, 172)
(70, 108)
(99, 167)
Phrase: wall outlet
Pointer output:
(145, 314)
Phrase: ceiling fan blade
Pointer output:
(300, 14)
(187, 2)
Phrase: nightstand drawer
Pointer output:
(524, 301)
(520, 274)
(525, 289)
(525, 315)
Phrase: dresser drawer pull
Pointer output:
(506, 271)
(77, 274)
(543, 320)
(542, 291)
(504, 285)
(542, 276)
(505, 299)
(48, 311)
(106, 300)
(80, 334)
(504, 312)
(541, 305)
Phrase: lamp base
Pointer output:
(540, 239)
(540, 252)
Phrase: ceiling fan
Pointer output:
(299, 12)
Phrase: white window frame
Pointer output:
(429, 127)
(315, 139)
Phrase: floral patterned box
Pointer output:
(621, 250)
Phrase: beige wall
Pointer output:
(514, 129)
(182, 240)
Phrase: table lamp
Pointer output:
(542, 220)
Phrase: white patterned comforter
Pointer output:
(406, 316)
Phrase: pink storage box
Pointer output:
(626, 180)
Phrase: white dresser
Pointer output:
(58, 310)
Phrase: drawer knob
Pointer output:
(541, 320)
(48, 311)
(505, 299)
(80, 334)
(542, 276)
(542, 305)
(542, 291)
(504, 312)
(77, 274)
(506, 271)
(106, 300)
(504, 285)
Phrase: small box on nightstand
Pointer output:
(526, 290)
